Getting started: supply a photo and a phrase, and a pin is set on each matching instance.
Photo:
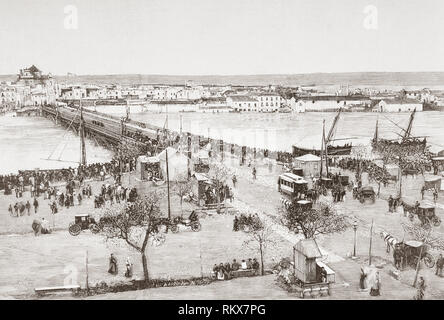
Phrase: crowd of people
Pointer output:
(227, 270)
(210, 194)
(358, 166)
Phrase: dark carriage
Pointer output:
(192, 221)
(366, 193)
(83, 222)
(426, 213)
(344, 180)
(173, 224)
(424, 210)
(417, 250)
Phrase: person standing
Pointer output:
(129, 268)
(28, 207)
(36, 205)
(113, 265)
(420, 292)
(234, 179)
(254, 173)
(439, 265)
(362, 278)
(375, 290)
(390, 203)
(422, 192)
(79, 198)
(435, 195)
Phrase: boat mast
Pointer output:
(82, 136)
(322, 148)
(375, 137)
(333, 126)
(409, 127)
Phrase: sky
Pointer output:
(203, 37)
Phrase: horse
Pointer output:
(389, 240)
(411, 210)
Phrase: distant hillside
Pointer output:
(318, 79)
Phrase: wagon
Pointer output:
(83, 222)
(344, 180)
(366, 193)
(415, 250)
(426, 214)
(326, 182)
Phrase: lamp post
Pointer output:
(355, 228)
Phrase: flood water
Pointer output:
(27, 143)
(279, 131)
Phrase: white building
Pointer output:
(331, 103)
(243, 103)
(269, 102)
(396, 105)
(296, 106)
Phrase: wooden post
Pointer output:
(419, 258)
(200, 257)
(87, 274)
(370, 249)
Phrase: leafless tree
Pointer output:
(321, 219)
(425, 234)
(260, 237)
(135, 224)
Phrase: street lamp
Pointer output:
(355, 228)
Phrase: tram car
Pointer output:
(291, 184)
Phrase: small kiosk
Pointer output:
(309, 276)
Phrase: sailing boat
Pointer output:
(331, 150)
(405, 137)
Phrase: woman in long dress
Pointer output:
(129, 268)
(112, 265)
(376, 287)
(362, 278)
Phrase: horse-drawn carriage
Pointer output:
(424, 210)
(415, 250)
(365, 193)
(83, 222)
(192, 221)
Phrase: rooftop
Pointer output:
(308, 157)
(401, 101)
(243, 98)
(309, 248)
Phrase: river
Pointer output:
(26, 143)
(279, 131)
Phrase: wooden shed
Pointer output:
(305, 253)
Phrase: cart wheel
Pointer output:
(174, 228)
(94, 228)
(196, 226)
(74, 229)
(429, 260)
